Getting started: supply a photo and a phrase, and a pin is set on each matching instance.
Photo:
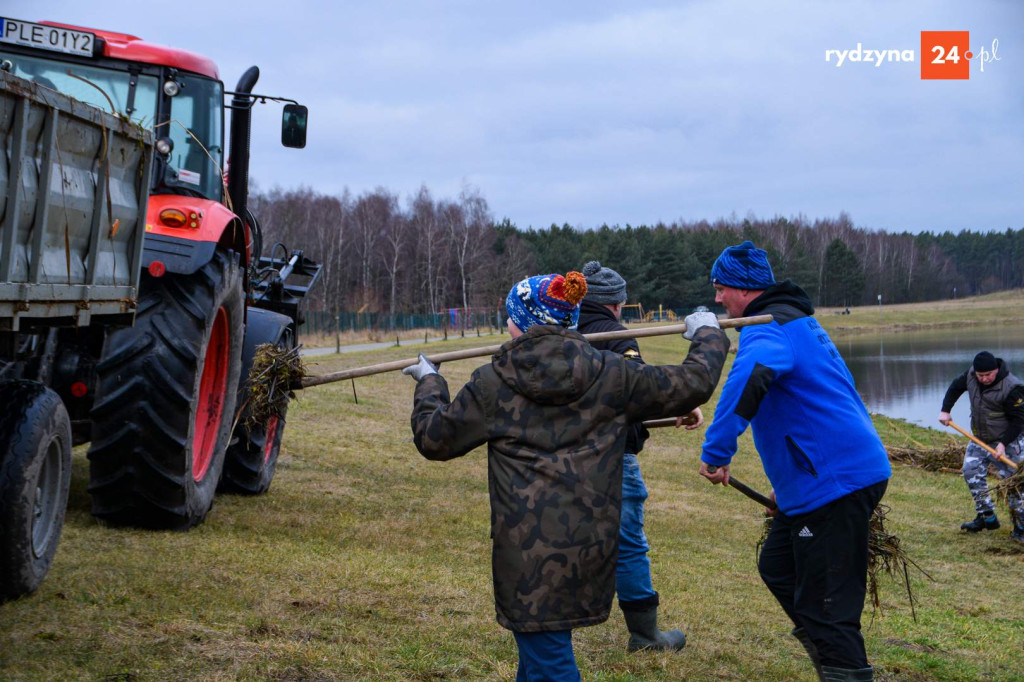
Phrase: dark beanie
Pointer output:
(985, 362)
(743, 267)
(604, 285)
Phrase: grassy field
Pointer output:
(1004, 307)
(367, 562)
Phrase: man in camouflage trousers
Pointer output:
(554, 413)
(997, 418)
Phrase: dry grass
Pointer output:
(1011, 485)
(366, 562)
(275, 372)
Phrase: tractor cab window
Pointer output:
(102, 88)
(196, 129)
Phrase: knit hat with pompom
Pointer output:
(547, 299)
(604, 285)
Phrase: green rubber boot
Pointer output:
(644, 632)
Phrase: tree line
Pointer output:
(426, 254)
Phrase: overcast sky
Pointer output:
(622, 112)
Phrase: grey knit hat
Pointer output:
(604, 285)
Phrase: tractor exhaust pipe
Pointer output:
(241, 126)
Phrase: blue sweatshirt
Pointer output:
(788, 381)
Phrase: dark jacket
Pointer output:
(997, 410)
(595, 318)
(554, 413)
(789, 383)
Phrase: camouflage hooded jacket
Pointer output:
(555, 412)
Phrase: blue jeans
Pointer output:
(546, 657)
(633, 571)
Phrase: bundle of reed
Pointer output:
(885, 551)
(275, 370)
(949, 458)
(1011, 485)
(887, 555)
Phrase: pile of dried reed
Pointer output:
(948, 458)
(275, 373)
(885, 555)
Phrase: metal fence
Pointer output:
(325, 322)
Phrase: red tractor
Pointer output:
(159, 399)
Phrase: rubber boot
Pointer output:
(812, 651)
(1017, 535)
(642, 623)
(986, 521)
(830, 674)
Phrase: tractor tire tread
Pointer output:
(140, 460)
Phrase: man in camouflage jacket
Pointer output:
(555, 413)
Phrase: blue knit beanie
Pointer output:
(547, 299)
(743, 267)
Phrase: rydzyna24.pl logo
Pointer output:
(945, 55)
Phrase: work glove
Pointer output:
(701, 317)
(421, 369)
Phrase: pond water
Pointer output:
(906, 375)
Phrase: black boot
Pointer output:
(830, 674)
(642, 623)
(810, 648)
(986, 521)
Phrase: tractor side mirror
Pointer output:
(293, 126)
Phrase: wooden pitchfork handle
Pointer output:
(1002, 458)
(669, 421)
(640, 332)
(746, 490)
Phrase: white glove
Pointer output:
(701, 318)
(421, 369)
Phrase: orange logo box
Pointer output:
(945, 55)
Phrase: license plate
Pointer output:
(53, 38)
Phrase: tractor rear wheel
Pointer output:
(35, 475)
(165, 399)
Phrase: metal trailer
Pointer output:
(72, 221)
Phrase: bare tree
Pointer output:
(392, 254)
(466, 224)
(371, 217)
(430, 242)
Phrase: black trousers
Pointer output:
(816, 566)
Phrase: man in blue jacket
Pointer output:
(820, 451)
